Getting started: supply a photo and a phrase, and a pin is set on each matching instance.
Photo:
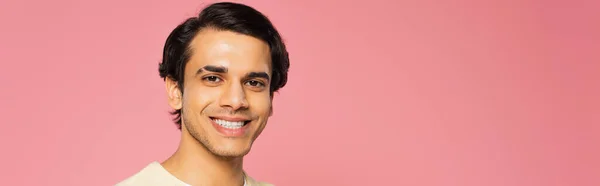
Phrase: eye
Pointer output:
(214, 79)
(255, 83)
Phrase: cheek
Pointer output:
(197, 98)
(261, 104)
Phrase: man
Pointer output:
(220, 70)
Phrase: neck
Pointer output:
(193, 164)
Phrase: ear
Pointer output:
(173, 93)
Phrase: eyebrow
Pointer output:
(221, 69)
(258, 75)
(210, 68)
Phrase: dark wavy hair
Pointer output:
(223, 16)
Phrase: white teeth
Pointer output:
(229, 124)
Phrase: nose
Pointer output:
(234, 97)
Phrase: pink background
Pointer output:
(452, 93)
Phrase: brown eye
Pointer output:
(212, 79)
(255, 83)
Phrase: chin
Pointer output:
(228, 151)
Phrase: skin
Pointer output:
(237, 85)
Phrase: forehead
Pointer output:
(236, 52)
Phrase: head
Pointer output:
(221, 70)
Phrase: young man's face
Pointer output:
(226, 100)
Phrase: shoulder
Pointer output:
(139, 177)
(152, 174)
(253, 182)
(264, 184)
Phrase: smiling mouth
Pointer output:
(230, 124)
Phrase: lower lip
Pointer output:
(227, 132)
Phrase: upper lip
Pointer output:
(230, 118)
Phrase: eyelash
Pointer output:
(260, 84)
(206, 78)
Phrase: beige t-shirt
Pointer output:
(155, 174)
